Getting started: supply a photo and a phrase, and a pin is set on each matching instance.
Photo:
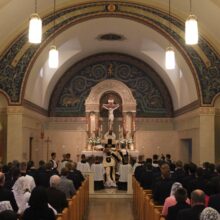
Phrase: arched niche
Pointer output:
(93, 100)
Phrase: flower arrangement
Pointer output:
(94, 140)
(127, 141)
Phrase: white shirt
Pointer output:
(124, 170)
(99, 171)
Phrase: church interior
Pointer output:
(110, 81)
(46, 109)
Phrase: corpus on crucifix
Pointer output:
(110, 107)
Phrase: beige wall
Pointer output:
(157, 142)
(154, 135)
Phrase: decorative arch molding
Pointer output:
(148, 89)
(16, 62)
(93, 101)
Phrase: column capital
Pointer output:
(15, 110)
(207, 111)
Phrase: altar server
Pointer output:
(83, 165)
(99, 172)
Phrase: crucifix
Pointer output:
(110, 107)
(48, 145)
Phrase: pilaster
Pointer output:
(14, 133)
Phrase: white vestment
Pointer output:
(83, 167)
(99, 171)
(124, 170)
(109, 165)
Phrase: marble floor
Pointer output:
(110, 209)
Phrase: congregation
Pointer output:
(186, 191)
(27, 192)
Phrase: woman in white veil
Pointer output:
(22, 192)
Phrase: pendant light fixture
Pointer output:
(53, 53)
(191, 28)
(170, 54)
(35, 27)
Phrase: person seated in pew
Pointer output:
(197, 206)
(181, 203)
(162, 185)
(171, 200)
(147, 175)
(7, 195)
(65, 184)
(74, 174)
(56, 198)
(209, 214)
(39, 208)
(8, 215)
(98, 169)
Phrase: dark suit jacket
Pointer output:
(77, 178)
(190, 214)
(161, 189)
(173, 210)
(214, 202)
(56, 199)
(7, 195)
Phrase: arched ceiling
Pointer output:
(80, 40)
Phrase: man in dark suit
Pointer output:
(56, 198)
(163, 184)
(214, 200)
(74, 175)
(180, 196)
(5, 194)
(197, 205)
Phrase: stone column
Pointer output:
(14, 133)
(207, 135)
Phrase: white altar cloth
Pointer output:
(89, 153)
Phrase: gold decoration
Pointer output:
(111, 7)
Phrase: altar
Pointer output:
(94, 153)
(110, 115)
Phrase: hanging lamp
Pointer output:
(53, 53)
(170, 62)
(35, 27)
(191, 28)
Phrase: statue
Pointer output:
(110, 107)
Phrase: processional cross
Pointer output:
(48, 142)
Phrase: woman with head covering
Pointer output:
(209, 214)
(171, 201)
(22, 192)
(39, 209)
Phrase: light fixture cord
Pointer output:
(54, 19)
(35, 6)
(169, 17)
(190, 6)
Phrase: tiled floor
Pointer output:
(110, 209)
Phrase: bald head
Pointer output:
(2, 179)
(197, 197)
(54, 181)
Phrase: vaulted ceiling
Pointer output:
(143, 25)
